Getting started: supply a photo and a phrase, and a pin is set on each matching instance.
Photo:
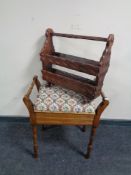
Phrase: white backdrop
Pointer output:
(22, 25)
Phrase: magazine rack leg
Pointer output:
(96, 121)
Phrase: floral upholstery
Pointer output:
(58, 99)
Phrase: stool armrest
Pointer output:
(100, 108)
(26, 99)
(34, 82)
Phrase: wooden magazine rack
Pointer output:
(90, 88)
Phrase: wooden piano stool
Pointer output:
(62, 118)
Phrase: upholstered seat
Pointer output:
(58, 99)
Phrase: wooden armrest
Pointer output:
(30, 89)
(100, 108)
(34, 82)
(104, 103)
(27, 100)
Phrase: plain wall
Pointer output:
(22, 27)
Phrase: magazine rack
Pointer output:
(90, 88)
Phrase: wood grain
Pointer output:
(94, 38)
(69, 83)
(73, 62)
(91, 89)
(59, 118)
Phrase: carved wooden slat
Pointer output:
(70, 83)
(81, 79)
(76, 63)
(76, 77)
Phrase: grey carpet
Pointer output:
(61, 150)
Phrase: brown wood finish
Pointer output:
(101, 107)
(59, 118)
(85, 88)
(80, 37)
(72, 76)
(34, 129)
(91, 67)
(76, 63)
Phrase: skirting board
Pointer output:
(102, 122)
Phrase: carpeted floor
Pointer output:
(61, 150)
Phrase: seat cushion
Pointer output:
(58, 99)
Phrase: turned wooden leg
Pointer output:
(34, 129)
(101, 107)
(93, 131)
